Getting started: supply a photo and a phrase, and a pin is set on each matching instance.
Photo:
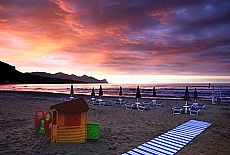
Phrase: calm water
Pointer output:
(169, 91)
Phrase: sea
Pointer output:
(172, 91)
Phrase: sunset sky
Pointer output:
(123, 41)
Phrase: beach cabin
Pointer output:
(69, 122)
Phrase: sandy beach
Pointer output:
(120, 130)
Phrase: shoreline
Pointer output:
(224, 102)
(172, 91)
(120, 130)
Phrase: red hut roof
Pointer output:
(77, 105)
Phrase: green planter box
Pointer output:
(93, 130)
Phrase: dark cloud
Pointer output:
(179, 37)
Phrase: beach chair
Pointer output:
(194, 111)
(91, 101)
(68, 99)
(200, 106)
(116, 101)
(177, 110)
(143, 106)
(124, 102)
(130, 106)
(191, 105)
(147, 102)
(120, 101)
(158, 104)
(102, 103)
(113, 102)
(97, 101)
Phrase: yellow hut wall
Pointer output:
(62, 133)
(61, 119)
(84, 118)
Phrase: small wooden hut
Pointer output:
(69, 122)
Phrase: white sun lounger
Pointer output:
(172, 141)
(143, 106)
(200, 106)
(158, 104)
(130, 105)
(177, 110)
(91, 101)
(194, 111)
(67, 99)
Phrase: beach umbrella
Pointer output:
(195, 95)
(93, 92)
(120, 92)
(186, 96)
(71, 90)
(154, 92)
(220, 93)
(100, 91)
(138, 94)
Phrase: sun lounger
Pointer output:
(130, 105)
(105, 103)
(67, 99)
(158, 104)
(113, 101)
(172, 141)
(102, 103)
(124, 102)
(194, 111)
(177, 110)
(91, 101)
(200, 106)
(143, 106)
(147, 102)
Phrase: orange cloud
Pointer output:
(128, 37)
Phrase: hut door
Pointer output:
(72, 119)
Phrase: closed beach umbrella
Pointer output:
(100, 91)
(120, 92)
(154, 92)
(195, 95)
(138, 94)
(93, 92)
(71, 91)
(186, 96)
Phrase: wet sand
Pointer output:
(120, 130)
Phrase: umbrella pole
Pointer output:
(220, 96)
(213, 95)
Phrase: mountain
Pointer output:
(60, 75)
(9, 74)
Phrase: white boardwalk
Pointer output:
(172, 141)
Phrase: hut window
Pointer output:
(54, 117)
(73, 119)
